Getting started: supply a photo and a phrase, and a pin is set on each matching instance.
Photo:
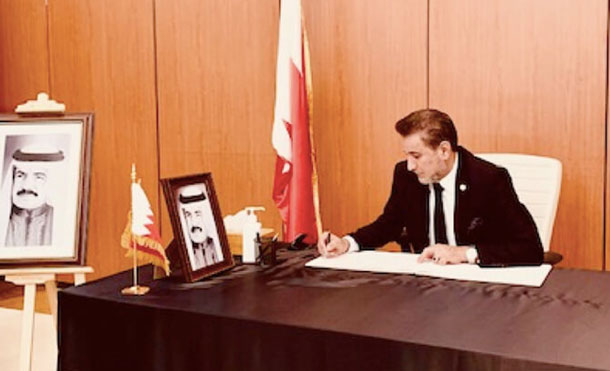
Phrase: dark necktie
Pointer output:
(440, 230)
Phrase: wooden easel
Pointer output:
(29, 278)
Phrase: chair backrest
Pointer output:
(537, 181)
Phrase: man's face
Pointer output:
(29, 185)
(429, 164)
(193, 214)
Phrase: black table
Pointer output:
(291, 318)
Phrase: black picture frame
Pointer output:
(199, 232)
(64, 195)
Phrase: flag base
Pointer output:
(135, 290)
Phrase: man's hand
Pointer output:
(444, 254)
(330, 245)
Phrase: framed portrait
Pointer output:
(44, 188)
(199, 231)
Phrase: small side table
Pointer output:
(29, 278)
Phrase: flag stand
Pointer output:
(135, 289)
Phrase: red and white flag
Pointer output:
(141, 233)
(295, 187)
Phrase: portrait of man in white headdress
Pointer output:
(30, 220)
(32, 206)
(43, 191)
(199, 227)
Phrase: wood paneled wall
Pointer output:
(187, 86)
(529, 77)
(216, 82)
(24, 57)
(368, 70)
(103, 60)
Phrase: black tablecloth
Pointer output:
(290, 318)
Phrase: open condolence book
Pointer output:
(398, 262)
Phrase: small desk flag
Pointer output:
(141, 231)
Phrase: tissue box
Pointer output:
(235, 240)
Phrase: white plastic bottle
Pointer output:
(252, 227)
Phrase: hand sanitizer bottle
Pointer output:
(252, 227)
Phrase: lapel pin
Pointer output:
(463, 187)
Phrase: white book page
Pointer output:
(399, 262)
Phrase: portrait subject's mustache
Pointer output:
(22, 192)
(196, 229)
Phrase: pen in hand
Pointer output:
(323, 244)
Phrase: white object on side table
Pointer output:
(252, 228)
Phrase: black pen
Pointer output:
(327, 240)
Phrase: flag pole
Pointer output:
(133, 240)
(135, 289)
(309, 95)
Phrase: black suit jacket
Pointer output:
(488, 214)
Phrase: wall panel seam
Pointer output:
(605, 193)
(48, 48)
(428, 53)
(158, 135)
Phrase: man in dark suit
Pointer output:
(447, 204)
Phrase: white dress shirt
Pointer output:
(449, 187)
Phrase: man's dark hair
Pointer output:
(435, 125)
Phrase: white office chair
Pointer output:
(537, 181)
